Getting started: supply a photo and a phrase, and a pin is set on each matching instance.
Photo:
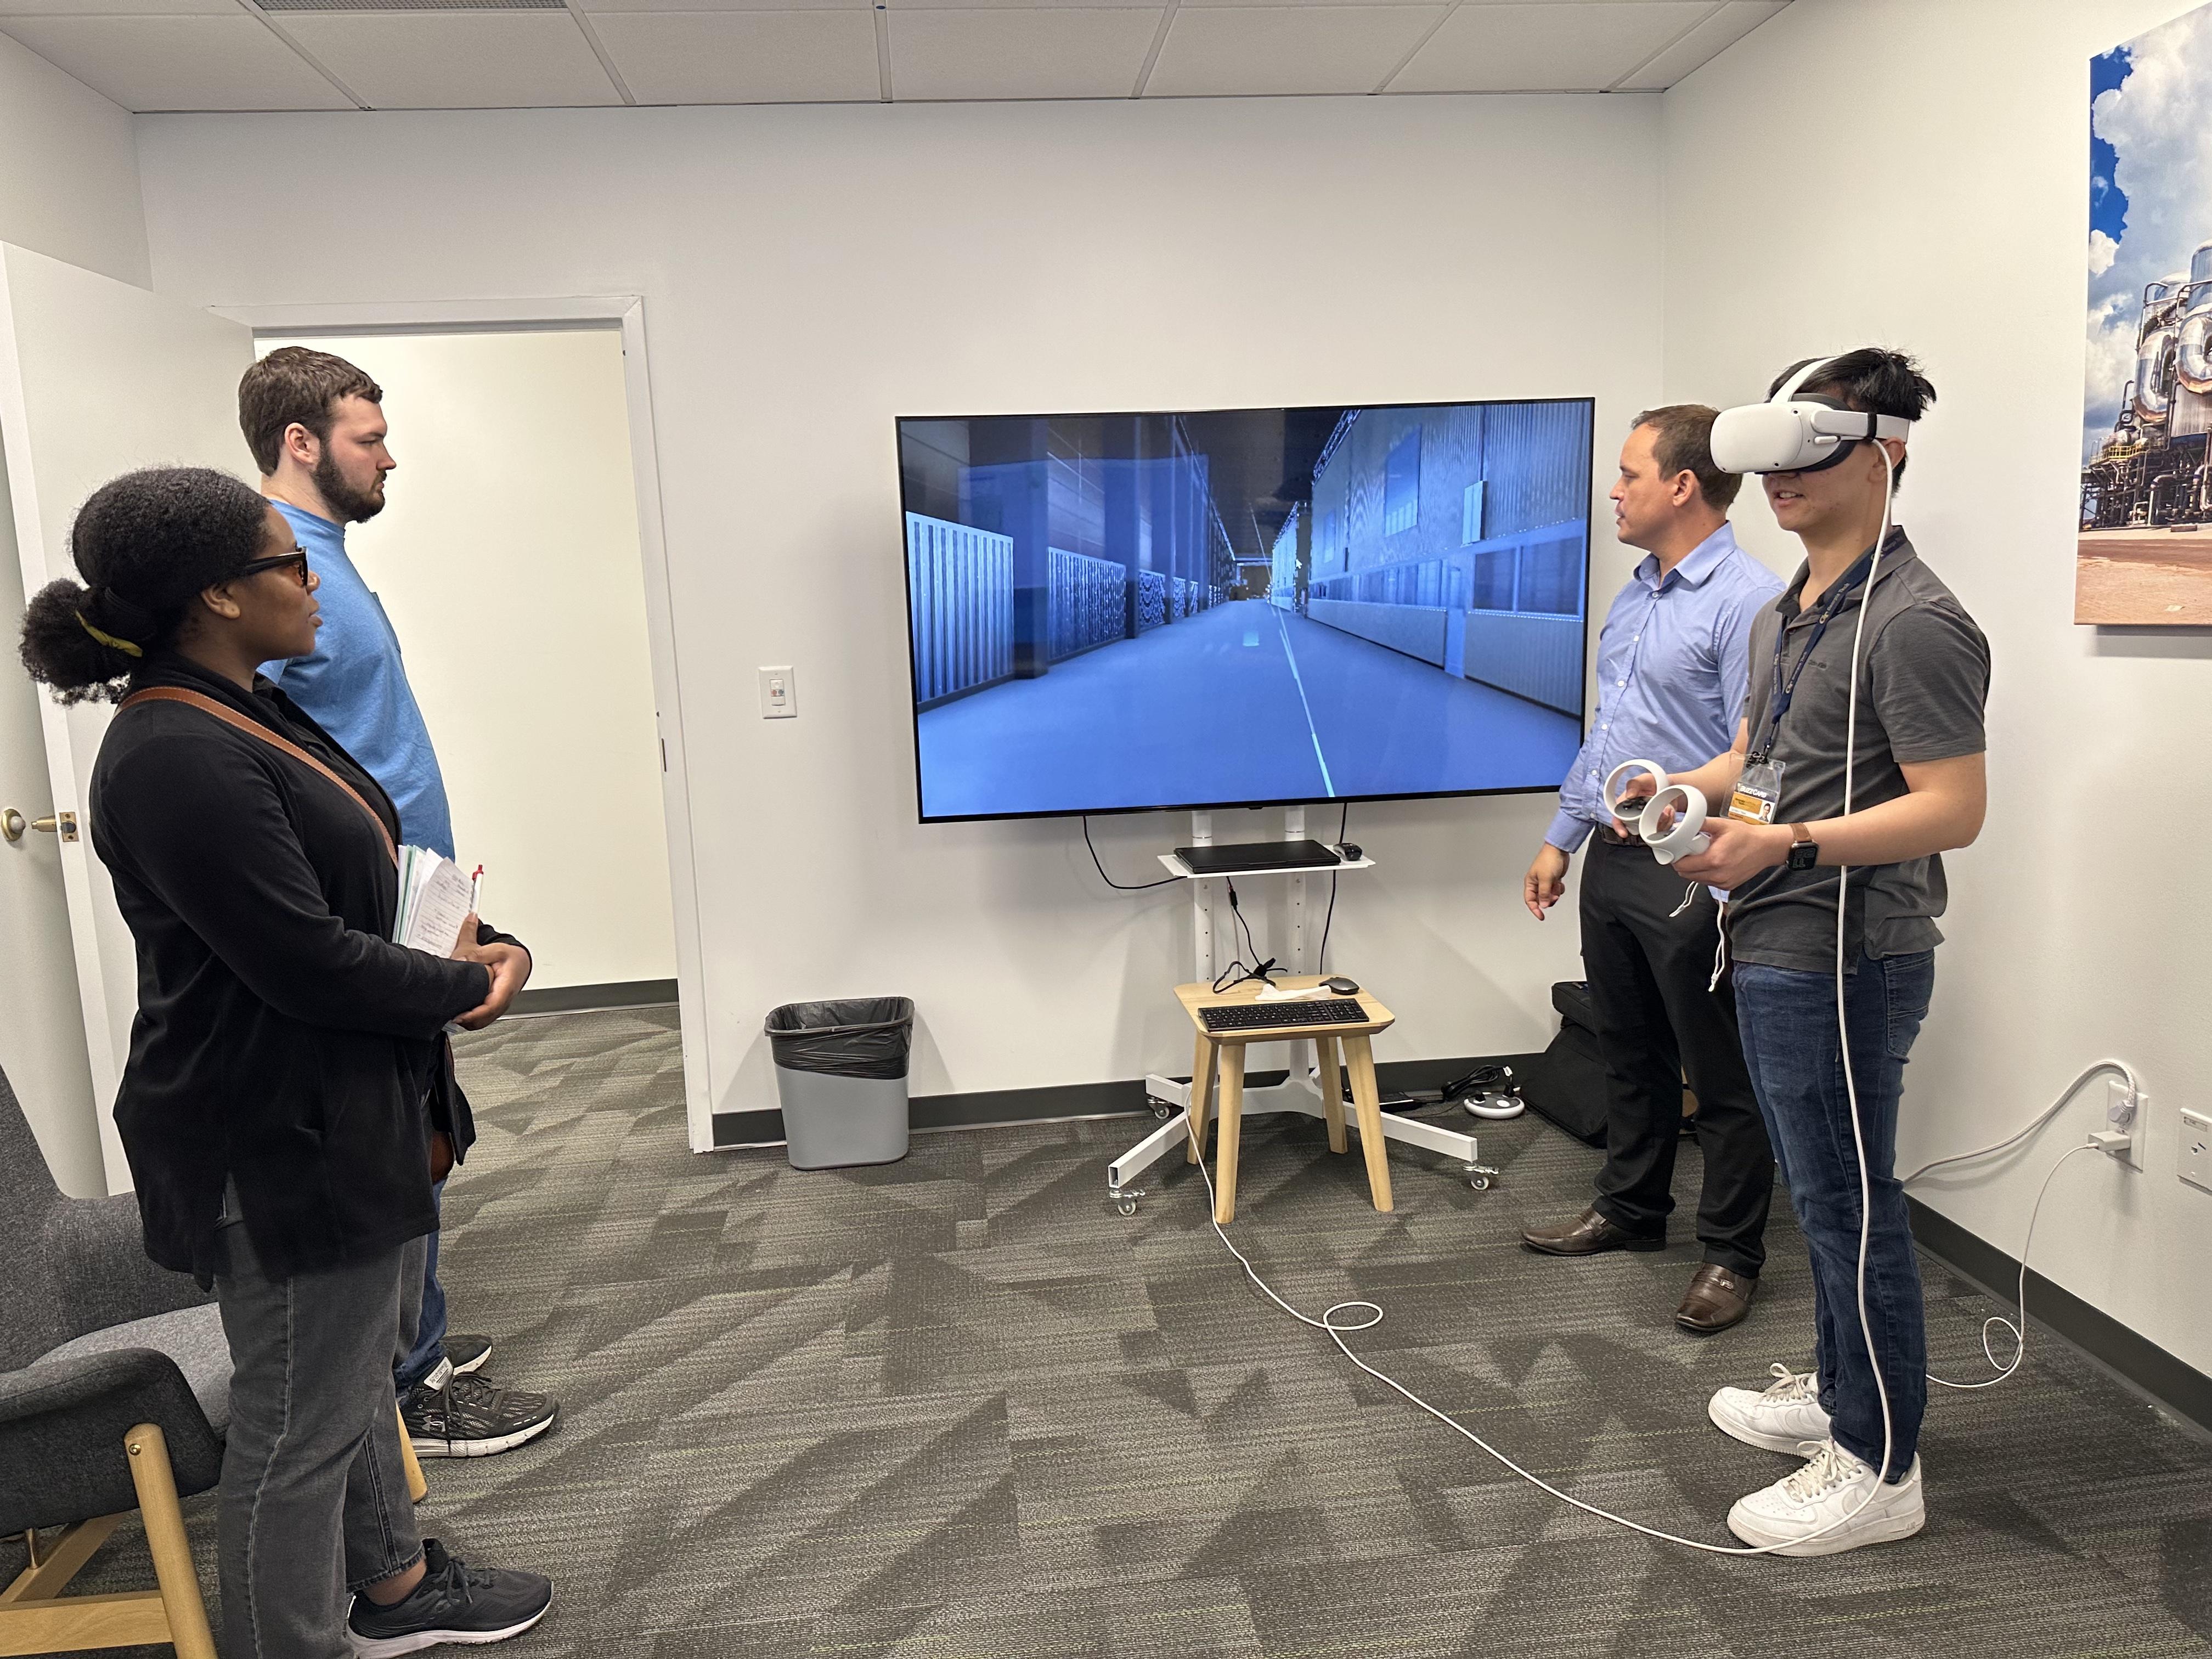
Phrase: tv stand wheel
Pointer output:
(1126, 1206)
(1479, 1176)
(1163, 1110)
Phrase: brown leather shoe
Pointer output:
(1717, 1299)
(1589, 1234)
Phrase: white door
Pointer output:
(42, 1032)
(96, 378)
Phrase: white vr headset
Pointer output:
(1789, 434)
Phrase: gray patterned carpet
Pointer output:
(957, 1407)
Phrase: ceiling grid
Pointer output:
(187, 55)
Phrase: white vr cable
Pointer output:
(2018, 1332)
(1334, 1320)
(1337, 1332)
(1843, 1020)
(1330, 1321)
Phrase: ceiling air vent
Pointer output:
(411, 5)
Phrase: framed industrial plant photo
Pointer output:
(2144, 556)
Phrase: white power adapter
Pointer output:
(2125, 1102)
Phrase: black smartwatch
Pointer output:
(1804, 851)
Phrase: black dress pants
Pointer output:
(1656, 1022)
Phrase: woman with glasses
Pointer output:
(287, 1061)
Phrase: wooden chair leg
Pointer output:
(1233, 1125)
(1202, 1097)
(165, 1535)
(417, 1487)
(1332, 1090)
(66, 1553)
(1367, 1101)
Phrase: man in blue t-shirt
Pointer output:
(315, 424)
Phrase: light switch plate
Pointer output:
(778, 694)
(2197, 1150)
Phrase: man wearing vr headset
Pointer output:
(1671, 679)
(1917, 789)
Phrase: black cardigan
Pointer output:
(283, 1040)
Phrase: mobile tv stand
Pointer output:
(1302, 1090)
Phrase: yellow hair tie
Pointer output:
(108, 640)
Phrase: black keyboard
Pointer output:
(1258, 855)
(1262, 1016)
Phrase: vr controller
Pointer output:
(1685, 802)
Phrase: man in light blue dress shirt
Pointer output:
(1672, 674)
(315, 424)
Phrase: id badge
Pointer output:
(1757, 792)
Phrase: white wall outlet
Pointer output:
(2127, 1111)
(2197, 1150)
(778, 694)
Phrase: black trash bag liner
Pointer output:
(855, 1036)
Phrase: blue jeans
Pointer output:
(1789, 1043)
(430, 1328)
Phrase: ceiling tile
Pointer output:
(743, 56)
(1570, 48)
(1059, 52)
(1155, 6)
(458, 59)
(1232, 51)
(116, 8)
(667, 6)
(230, 63)
(1703, 43)
(1296, 4)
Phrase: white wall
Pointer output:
(508, 560)
(808, 274)
(69, 187)
(1958, 231)
(69, 171)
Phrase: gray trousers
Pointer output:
(314, 1501)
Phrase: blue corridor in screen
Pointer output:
(1277, 605)
(1244, 702)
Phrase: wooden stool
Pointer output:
(1226, 1049)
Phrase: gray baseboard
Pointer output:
(1058, 1102)
(580, 999)
(2167, 1381)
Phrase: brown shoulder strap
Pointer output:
(254, 729)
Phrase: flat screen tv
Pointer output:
(1244, 607)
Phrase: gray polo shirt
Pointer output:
(1923, 682)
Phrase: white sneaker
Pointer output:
(1835, 1503)
(1786, 1418)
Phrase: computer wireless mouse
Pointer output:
(1342, 986)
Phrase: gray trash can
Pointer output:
(841, 1075)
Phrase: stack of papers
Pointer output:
(435, 900)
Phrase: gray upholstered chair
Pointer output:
(115, 1392)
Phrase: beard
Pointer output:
(352, 506)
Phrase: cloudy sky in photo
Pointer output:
(2150, 191)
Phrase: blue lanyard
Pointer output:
(1785, 691)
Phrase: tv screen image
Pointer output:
(1244, 607)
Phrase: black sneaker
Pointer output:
(455, 1602)
(450, 1415)
(467, 1353)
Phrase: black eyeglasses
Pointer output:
(296, 559)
